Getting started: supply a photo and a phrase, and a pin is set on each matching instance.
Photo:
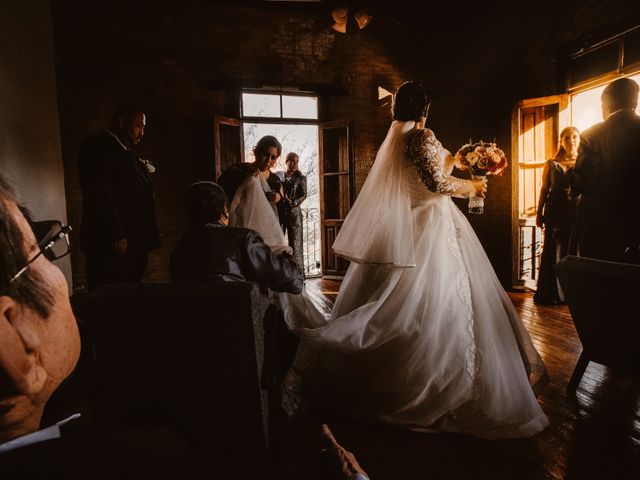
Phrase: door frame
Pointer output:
(563, 101)
(334, 223)
(232, 122)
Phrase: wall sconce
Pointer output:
(362, 18)
(340, 17)
(383, 93)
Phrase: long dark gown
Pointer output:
(559, 216)
(295, 192)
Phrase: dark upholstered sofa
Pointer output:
(188, 357)
(603, 299)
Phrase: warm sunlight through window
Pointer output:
(299, 107)
(279, 106)
(586, 108)
(260, 105)
(302, 139)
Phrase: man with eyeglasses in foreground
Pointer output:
(39, 348)
(39, 339)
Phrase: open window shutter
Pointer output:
(229, 143)
(336, 189)
(536, 124)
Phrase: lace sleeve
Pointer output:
(424, 151)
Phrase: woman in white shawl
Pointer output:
(252, 201)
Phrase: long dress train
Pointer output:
(422, 334)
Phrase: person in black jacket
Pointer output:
(119, 225)
(211, 250)
(606, 170)
(294, 185)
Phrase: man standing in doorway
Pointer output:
(606, 175)
(119, 225)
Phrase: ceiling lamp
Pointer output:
(362, 18)
(340, 17)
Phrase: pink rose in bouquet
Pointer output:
(482, 159)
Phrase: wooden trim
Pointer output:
(531, 164)
(515, 225)
(335, 222)
(602, 43)
(563, 101)
(281, 120)
(224, 120)
(593, 82)
(540, 101)
(601, 80)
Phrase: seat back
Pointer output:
(603, 299)
(186, 356)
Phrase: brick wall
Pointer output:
(185, 61)
(184, 64)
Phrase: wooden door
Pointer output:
(536, 124)
(229, 143)
(336, 189)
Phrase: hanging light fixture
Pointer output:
(363, 18)
(340, 17)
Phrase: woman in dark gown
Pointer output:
(294, 185)
(557, 215)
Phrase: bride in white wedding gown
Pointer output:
(422, 334)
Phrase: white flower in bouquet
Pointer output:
(148, 165)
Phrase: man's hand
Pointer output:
(121, 246)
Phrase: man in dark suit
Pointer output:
(214, 251)
(606, 175)
(118, 219)
(211, 250)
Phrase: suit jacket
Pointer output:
(218, 252)
(606, 176)
(118, 199)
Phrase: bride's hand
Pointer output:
(480, 184)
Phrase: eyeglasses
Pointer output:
(53, 240)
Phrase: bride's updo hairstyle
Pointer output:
(410, 102)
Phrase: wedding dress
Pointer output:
(251, 209)
(422, 334)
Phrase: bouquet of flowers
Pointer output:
(482, 159)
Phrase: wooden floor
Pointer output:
(592, 435)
